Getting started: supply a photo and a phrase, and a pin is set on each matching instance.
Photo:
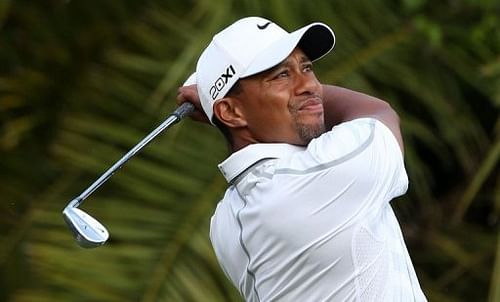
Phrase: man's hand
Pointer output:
(190, 94)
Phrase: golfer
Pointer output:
(312, 171)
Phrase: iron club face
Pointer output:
(88, 232)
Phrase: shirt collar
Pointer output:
(242, 159)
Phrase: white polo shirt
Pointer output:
(314, 223)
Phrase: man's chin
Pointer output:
(308, 132)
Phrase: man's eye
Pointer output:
(308, 67)
(281, 74)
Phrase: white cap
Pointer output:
(249, 46)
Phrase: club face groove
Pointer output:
(88, 232)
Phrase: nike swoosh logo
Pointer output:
(263, 26)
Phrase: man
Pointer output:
(313, 168)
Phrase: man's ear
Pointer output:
(228, 110)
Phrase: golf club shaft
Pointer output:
(183, 110)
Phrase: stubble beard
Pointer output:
(307, 131)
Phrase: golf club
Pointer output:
(88, 232)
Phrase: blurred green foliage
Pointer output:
(82, 81)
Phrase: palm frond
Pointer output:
(81, 83)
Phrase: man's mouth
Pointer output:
(312, 105)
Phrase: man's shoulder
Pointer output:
(360, 126)
(343, 139)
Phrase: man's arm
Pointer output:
(341, 105)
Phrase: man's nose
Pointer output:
(306, 83)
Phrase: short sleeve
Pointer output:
(388, 151)
(374, 149)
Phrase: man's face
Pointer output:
(285, 103)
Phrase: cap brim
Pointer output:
(316, 40)
(191, 80)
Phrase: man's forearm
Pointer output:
(342, 104)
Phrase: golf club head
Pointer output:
(88, 232)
